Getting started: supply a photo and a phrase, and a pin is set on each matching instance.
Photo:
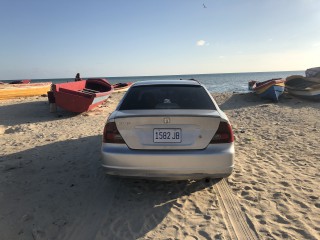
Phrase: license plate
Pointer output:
(167, 135)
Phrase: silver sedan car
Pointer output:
(169, 129)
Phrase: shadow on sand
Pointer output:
(60, 191)
(30, 112)
(243, 100)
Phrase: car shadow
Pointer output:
(60, 191)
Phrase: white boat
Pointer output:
(306, 87)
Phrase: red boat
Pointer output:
(81, 96)
(122, 87)
(25, 81)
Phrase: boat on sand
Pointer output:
(8, 91)
(270, 89)
(313, 72)
(306, 87)
(121, 87)
(81, 96)
(25, 81)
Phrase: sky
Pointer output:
(58, 38)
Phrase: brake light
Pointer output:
(224, 134)
(111, 134)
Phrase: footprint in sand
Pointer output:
(285, 184)
(191, 238)
(172, 230)
(12, 130)
(281, 219)
(313, 197)
(205, 234)
(261, 219)
(258, 189)
(244, 193)
(301, 204)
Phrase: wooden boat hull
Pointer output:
(9, 91)
(81, 96)
(273, 92)
(303, 87)
(270, 89)
(310, 94)
(313, 72)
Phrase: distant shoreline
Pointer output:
(226, 82)
(151, 76)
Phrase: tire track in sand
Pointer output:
(236, 221)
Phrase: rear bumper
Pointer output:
(215, 161)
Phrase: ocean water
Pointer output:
(223, 82)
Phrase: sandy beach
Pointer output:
(53, 187)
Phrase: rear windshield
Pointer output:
(167, 97)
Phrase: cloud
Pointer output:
(201, 43)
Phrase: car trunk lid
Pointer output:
(167, 129)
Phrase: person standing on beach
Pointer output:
(77, 78)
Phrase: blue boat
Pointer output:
(270, 89)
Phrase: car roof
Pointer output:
(166, 82)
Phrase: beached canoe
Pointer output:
(8, 91)
(306, 87)
(313, 72)
(81, 96)
(270, 89)
(121, 87)
(25, 81)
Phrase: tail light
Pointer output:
(111, 134)
(224, 134)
